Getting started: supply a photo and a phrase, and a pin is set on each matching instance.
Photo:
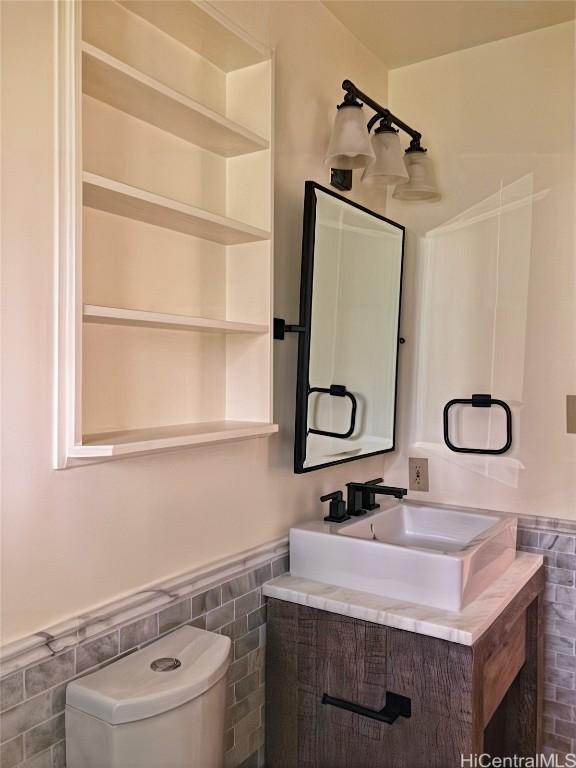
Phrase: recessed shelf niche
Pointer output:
(165, 312)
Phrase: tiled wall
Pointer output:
(32, 699)
(559, 554)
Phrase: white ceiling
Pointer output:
(401, 32)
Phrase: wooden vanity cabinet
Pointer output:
(466, 700)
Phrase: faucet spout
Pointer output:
(361, 496)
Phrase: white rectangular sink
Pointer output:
(443, 557)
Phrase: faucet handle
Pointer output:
(369, 497)
(337, 507)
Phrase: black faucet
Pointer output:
(337, 507)
(362, 496)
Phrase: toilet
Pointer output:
(160, 707)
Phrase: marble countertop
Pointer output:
(464, 627)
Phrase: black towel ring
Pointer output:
(337, 390)
(479, 401)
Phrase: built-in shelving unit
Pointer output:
(165, 242)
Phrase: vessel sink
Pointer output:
(442, 557)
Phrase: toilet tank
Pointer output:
(160, 707)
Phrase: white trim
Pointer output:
(105, 617)
(272, 55)
(67, 231)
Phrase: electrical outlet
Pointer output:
(418, 474)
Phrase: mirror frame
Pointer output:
(306, 285)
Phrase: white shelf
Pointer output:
(125, 88)
(119, 316)
(134, 203)
(126, 442)
(202, 29)
(185, 99)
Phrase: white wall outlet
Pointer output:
(418, 474)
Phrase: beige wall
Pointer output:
(76, 538)
(490, 300)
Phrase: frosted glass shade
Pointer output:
(350, 142)
(422, 183)
(388, 167)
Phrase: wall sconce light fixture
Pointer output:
(351, 146)
(388, 166)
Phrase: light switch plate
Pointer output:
(418, 474)
(571, 414)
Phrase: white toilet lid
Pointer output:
(189, 661)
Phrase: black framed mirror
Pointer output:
(350, 300)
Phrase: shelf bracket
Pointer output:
(281, 328)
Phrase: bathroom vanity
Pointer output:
(364, 680)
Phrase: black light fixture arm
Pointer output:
(382, 113)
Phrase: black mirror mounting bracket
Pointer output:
(281, 329)
(341, 179)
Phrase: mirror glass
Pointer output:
(348, 352)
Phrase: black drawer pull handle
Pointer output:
(396, 706)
